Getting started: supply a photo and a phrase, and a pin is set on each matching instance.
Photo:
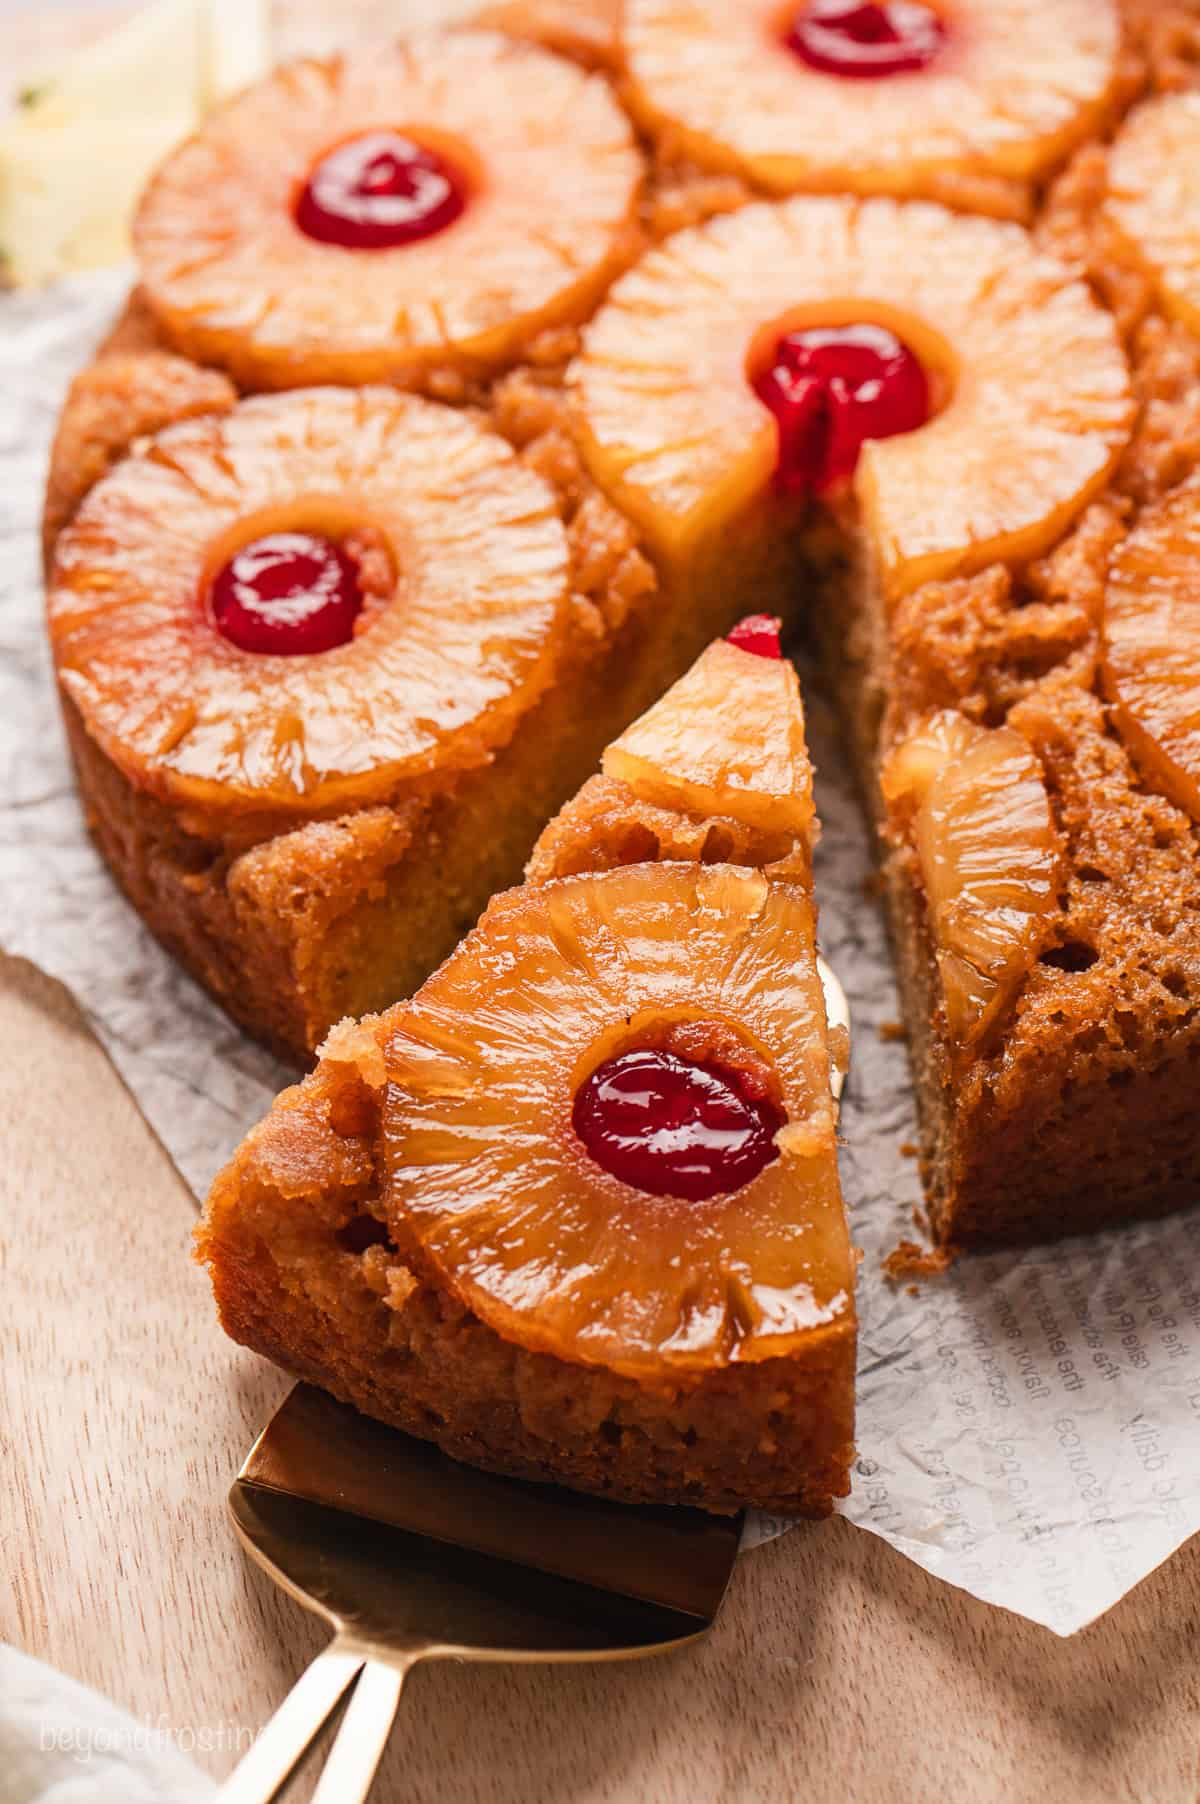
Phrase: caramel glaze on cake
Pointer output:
(1075, 1108)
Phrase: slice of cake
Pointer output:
(573, 1212)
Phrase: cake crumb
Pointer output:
(890, 1031)
(908, 1260)
(356, 1045)
(909, 1149)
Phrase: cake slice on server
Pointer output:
(573, 1212)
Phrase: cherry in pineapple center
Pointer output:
(676, 1126)
(858, 38)
(287, 593)
(378, 191)
(832, 388)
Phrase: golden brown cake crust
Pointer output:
(296, 1245)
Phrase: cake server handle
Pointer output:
(363, 1735)
(282, 1744)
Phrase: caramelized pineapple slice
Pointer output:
(727, 739)
(974, 805)
(542, 165)
(489, 1183)
(1154, 196)
(992, 88)
(464, 567)
(1152, 644)
(1034, 391)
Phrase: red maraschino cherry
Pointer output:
(286, 593)
(757, 634)
(378, 191)
(858, 38)
(833, 387)
(673, 1126)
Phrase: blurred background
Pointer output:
(34, 33)
(94, 92)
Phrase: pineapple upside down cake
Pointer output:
(473, 386)
(573, 1211)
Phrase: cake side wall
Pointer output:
(1078, 1110)
(775, 1434)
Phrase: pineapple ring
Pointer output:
(1154, 196)
(989, 854)
(437, 680)
(1016, 86)
(487, 1183)
(554, 173)
(1039, 411)
(1152, 644)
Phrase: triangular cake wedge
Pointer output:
(573, 1212)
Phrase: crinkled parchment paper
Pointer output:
(1029, 1424)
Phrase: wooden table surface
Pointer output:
(837, 1670)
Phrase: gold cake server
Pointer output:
(411, 1556)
